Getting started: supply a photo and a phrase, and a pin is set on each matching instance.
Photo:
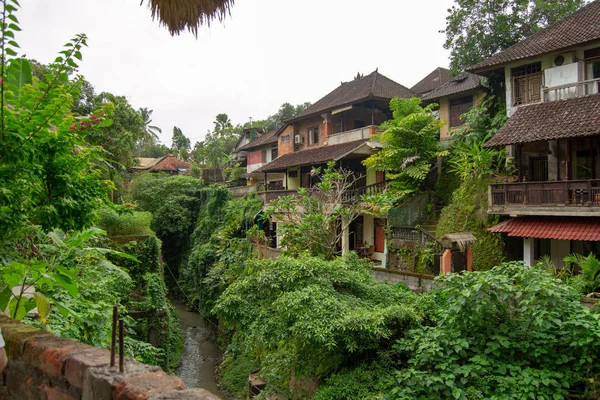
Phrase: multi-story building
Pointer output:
(339, 127)
(552, 82)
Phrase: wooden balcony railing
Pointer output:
(349, 196)
(545, 194)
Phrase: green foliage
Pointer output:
(462, 216)
(476, 167)
(164, 320)
(362, 382)
(124, 223)
(476, 30)
(285, 112)
(511, 332)
(47, 174)
(410, 144)
(309, 315)
(234, 371)
(588, 280)
(219, 249)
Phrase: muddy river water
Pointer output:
(197, 369)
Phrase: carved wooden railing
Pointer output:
(548, 193)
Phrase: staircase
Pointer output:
(431, 225)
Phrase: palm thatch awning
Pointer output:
(179, 15)
(458, 240)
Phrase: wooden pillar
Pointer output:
(447, 262)
(469, 255)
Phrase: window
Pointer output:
(527, 84)
(459, 107)
(592, 69)
(313, 135)
(273, 153)
(285, 139)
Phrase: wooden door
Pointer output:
(379, 235)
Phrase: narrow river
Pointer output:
(197, 369)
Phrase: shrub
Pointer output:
(511, 332)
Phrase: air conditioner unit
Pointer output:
(298, 139)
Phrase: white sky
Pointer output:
(267, 53)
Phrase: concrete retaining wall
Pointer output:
(417, 282)
(44, 367)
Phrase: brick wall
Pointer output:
(286, 148)
(255, 157)
(44, 367)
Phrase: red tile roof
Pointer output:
(578, 28)
(571, 228)
(558, 119)
(170, 163)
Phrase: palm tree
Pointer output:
(152, 131)
(180, 15)
(590, 270)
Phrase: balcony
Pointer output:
(349, 196)
(354, 134)
(552, 198)
(571, 90)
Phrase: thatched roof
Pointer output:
(461, 240)
(179, 15)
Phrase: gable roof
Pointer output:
(576, 29)
(552, 120)
(319, 155)
(459, 84)
(265, 138)
(435, 79)
(372, 86)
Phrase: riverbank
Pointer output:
(200, 354)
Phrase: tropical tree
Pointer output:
(478, 29)
(180, 141)
(410, 144)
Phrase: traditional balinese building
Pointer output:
(339, 127)
(552, 82)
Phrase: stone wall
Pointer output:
(413, 212)
(44, 367)
(417, 282)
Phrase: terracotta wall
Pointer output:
(44, 367)
(255, 157)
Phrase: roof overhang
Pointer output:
(558, 228)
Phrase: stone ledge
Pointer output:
(45, 367)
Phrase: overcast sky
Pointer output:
(266, 53)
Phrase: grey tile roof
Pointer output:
(265, 138)
(372, 86)
(459, 84)
(581, 27)
(552, 120)
(435, 79)
(320, 155)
